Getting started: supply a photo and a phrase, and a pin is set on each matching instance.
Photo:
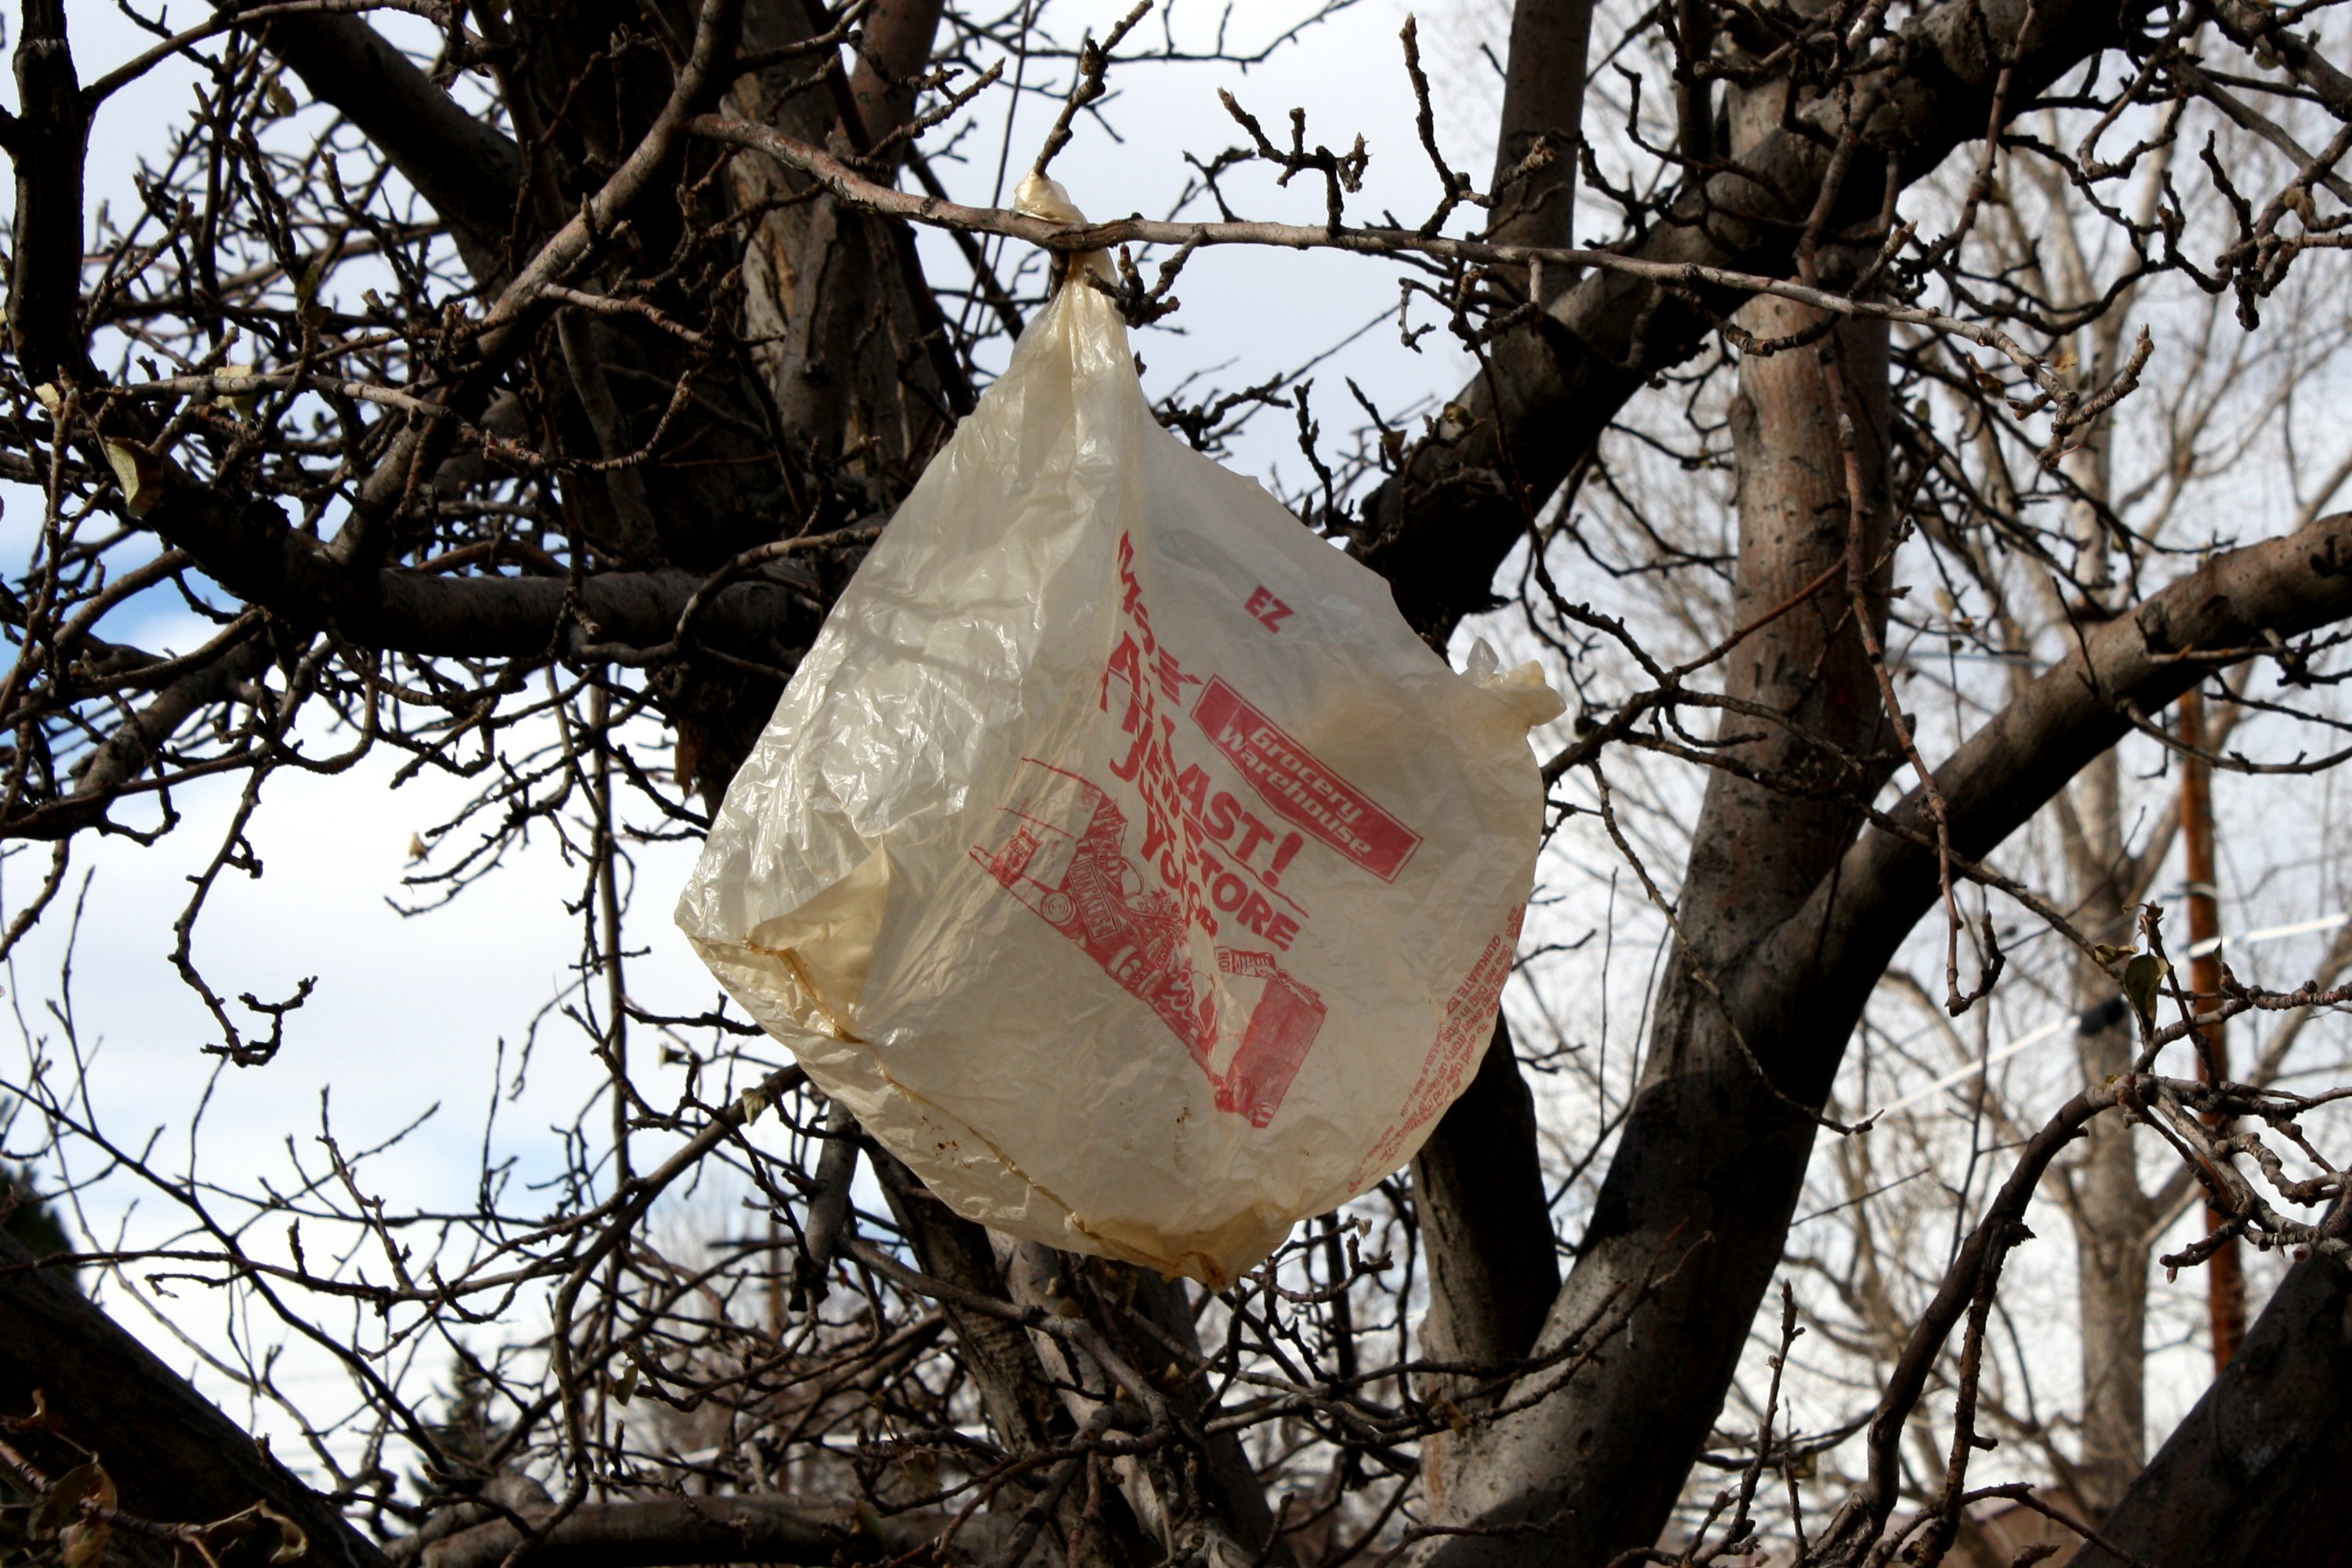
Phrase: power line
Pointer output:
(2036, 1036)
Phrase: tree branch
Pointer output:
(2242, 1479)
(466, 169)
(1714, 1153)
(679, 1532)
(1479, 1188)
(2021, 758)
(1440, 529)
(173, 1457)
(1543, 101)
(46, 144)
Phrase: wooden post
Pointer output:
(2225, 1277)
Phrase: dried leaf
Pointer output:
(292, 1543)
(62, 1505)
(626, 1389)
(85, 1543)
(754, 1100)
(42, 1418)
(141, 474)
(2142, 975)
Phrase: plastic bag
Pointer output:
(1117, 855)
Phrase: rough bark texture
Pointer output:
(2244, 1481)
(2110, 1216)
(2109, 1213)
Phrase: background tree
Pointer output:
(524, 416)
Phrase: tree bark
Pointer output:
(688, 1531)
(45, 248)
(1543, 100)
(2225, 1279)
(174, 1458)
(1486, 1237)
(2244, 1481)
(2109, 1213)
(1709, 1130)
(1485, 1228)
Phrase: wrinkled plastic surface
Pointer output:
(1117, 855)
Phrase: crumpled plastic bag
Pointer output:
(1117, 855)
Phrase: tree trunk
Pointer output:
(2225, 1279)
(1486, 1233)
(2244, 1481)
(2109, 1213)
(1689, 1223)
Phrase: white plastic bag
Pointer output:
(1117, 855)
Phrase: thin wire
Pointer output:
(2269, 934)
(2034, 1037)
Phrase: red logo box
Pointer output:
(1301, 789)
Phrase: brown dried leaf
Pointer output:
(42, 1418)
(62, 1505)
(85, 1543)
(141, 474)
(292, 1543)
